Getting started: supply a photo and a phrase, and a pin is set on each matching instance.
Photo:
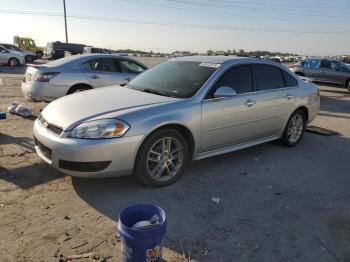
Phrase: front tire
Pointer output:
(13, 62)
(295, 129)
(162, 158)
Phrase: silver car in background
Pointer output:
(181, 110)
(78, 73)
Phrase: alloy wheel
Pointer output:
(295, 128)
(165, 158)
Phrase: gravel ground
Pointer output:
(276, 203)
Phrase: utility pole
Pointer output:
(65, 19)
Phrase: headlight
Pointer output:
(100, 129)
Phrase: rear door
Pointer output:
(274, 99)
(103, 72)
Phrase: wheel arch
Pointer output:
(182, 129)
(78, 85)
(305, 111)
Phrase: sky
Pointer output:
(309, 27)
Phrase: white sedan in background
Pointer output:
(8, 57)
(78, 73)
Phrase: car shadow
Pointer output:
(28, 176)
(231, 203)
(25, 142)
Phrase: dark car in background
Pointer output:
(56, 50)
(324, 70)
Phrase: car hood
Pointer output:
(71, 110)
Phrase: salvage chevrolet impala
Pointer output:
(181, 110)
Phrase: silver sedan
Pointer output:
(181, 110)
(77, 73)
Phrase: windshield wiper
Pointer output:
(156, 92)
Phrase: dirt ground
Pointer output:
(276, 203)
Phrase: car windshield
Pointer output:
(181, 79)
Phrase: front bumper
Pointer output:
(119, 153)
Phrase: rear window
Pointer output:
(268, 77)
(289, 80)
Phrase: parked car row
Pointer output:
(324, 70)
(181, 110)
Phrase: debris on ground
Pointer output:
(66, 217)
(83, 255)
(321, 131)
(23, 110)
(83, 244)
(20, 110)
(205, 252)
(244, 173)
(12, 108)
(215, 199)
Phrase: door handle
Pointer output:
(289, 96)
(250, 102)
(94, 77)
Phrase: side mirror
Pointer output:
(224, 91)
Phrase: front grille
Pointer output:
(47, 152)
(53, 128)
(84, 166)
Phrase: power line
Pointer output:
(170, 24)
(250, 9)
(223, 13)
(313, 7)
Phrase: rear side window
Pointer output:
(103, 65)
(289, 80)
(268, 77)
(312, 63)
(239, 78)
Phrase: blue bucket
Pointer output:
(2, 115)
(141, 244)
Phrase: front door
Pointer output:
(228, 121)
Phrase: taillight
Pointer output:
(44, 77)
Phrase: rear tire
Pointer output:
(13, 62)
(78, 88)
(29, 58)
(39, 55)
(347, 85)
(162, 158)
(294, 129)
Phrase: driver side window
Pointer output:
(239, 78)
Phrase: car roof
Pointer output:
(208, 59)
(225, 60)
